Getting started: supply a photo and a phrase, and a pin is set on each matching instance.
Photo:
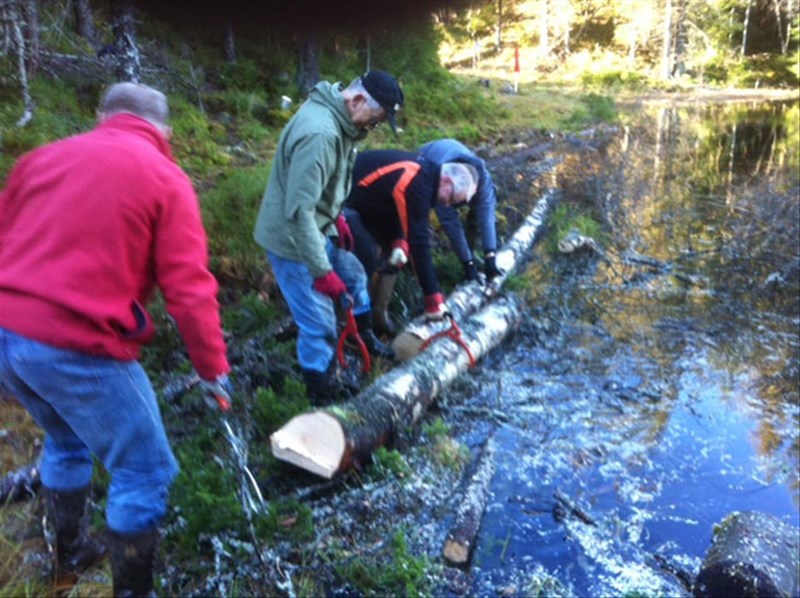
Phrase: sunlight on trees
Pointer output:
(734, 42)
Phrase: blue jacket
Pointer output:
(483, 203)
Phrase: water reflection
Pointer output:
(657, 389)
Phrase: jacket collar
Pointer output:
(330, 95)
(132, 123)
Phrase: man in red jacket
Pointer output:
(89, 225)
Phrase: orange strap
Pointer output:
(410, 170)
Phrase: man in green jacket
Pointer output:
(301, 226)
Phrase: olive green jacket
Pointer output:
(310, 179)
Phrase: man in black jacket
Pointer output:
(389, 209)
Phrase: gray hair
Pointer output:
(137, 99)
(356, 86)
(464, 177)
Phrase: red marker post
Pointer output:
(516, 69)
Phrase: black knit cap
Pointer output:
(386, 91)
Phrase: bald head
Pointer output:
(137, 99)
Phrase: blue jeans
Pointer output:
(94, 405)
(314, 312)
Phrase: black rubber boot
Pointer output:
(75, 549)
(373, 343)
(381, 294)
(132, 562)
(329, 386)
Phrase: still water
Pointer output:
(656, 391)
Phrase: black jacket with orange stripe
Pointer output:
(394, 192)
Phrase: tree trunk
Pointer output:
(308, 73)
(14, 41)
(30, 12)
(666, 49)
(753, 554)
(792, 10)
(776, 6)
(544, 31)
(746, 26)
(329, 442)
(461, 538)
(679, 54)
(84, 23)
(499, 28)
(471, 296)
(126, 50)
(367, 45)
(228, 44)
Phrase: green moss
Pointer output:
(286, 520)
(393, 572)
(442, 448)
(205, 491)
(565, 218)
(272, 410)
(435, 428)
(197, 142)
(247, 313)
(229, 212)
(594, 109)
(388, 462)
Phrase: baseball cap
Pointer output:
(386, 91)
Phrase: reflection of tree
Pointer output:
(716, 190)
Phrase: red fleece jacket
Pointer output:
(89, 225)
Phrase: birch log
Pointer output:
(753, 554)
(471, 296)
(461, 538)
(330, 441)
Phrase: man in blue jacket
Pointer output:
(481, 207)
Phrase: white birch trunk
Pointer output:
(471, 296)
(330, 441)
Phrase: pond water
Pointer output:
(656, 390)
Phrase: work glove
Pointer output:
(490, 268)
(346, 240)
(435, 308)
(399, 255)
(471, 271)
(330, 284)
(217, 393)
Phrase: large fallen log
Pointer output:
(471, 296)
(752, 554)
(461, 537)
(330, 441)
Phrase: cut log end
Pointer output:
(313, 441)
(456, 553)
(407, 345)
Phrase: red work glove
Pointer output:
(330, 284)
(217, 393)
(435, 308)
(399, 255)
(346, 240)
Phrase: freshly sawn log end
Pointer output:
(407, 345)
(313, 441)
(457, 553)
